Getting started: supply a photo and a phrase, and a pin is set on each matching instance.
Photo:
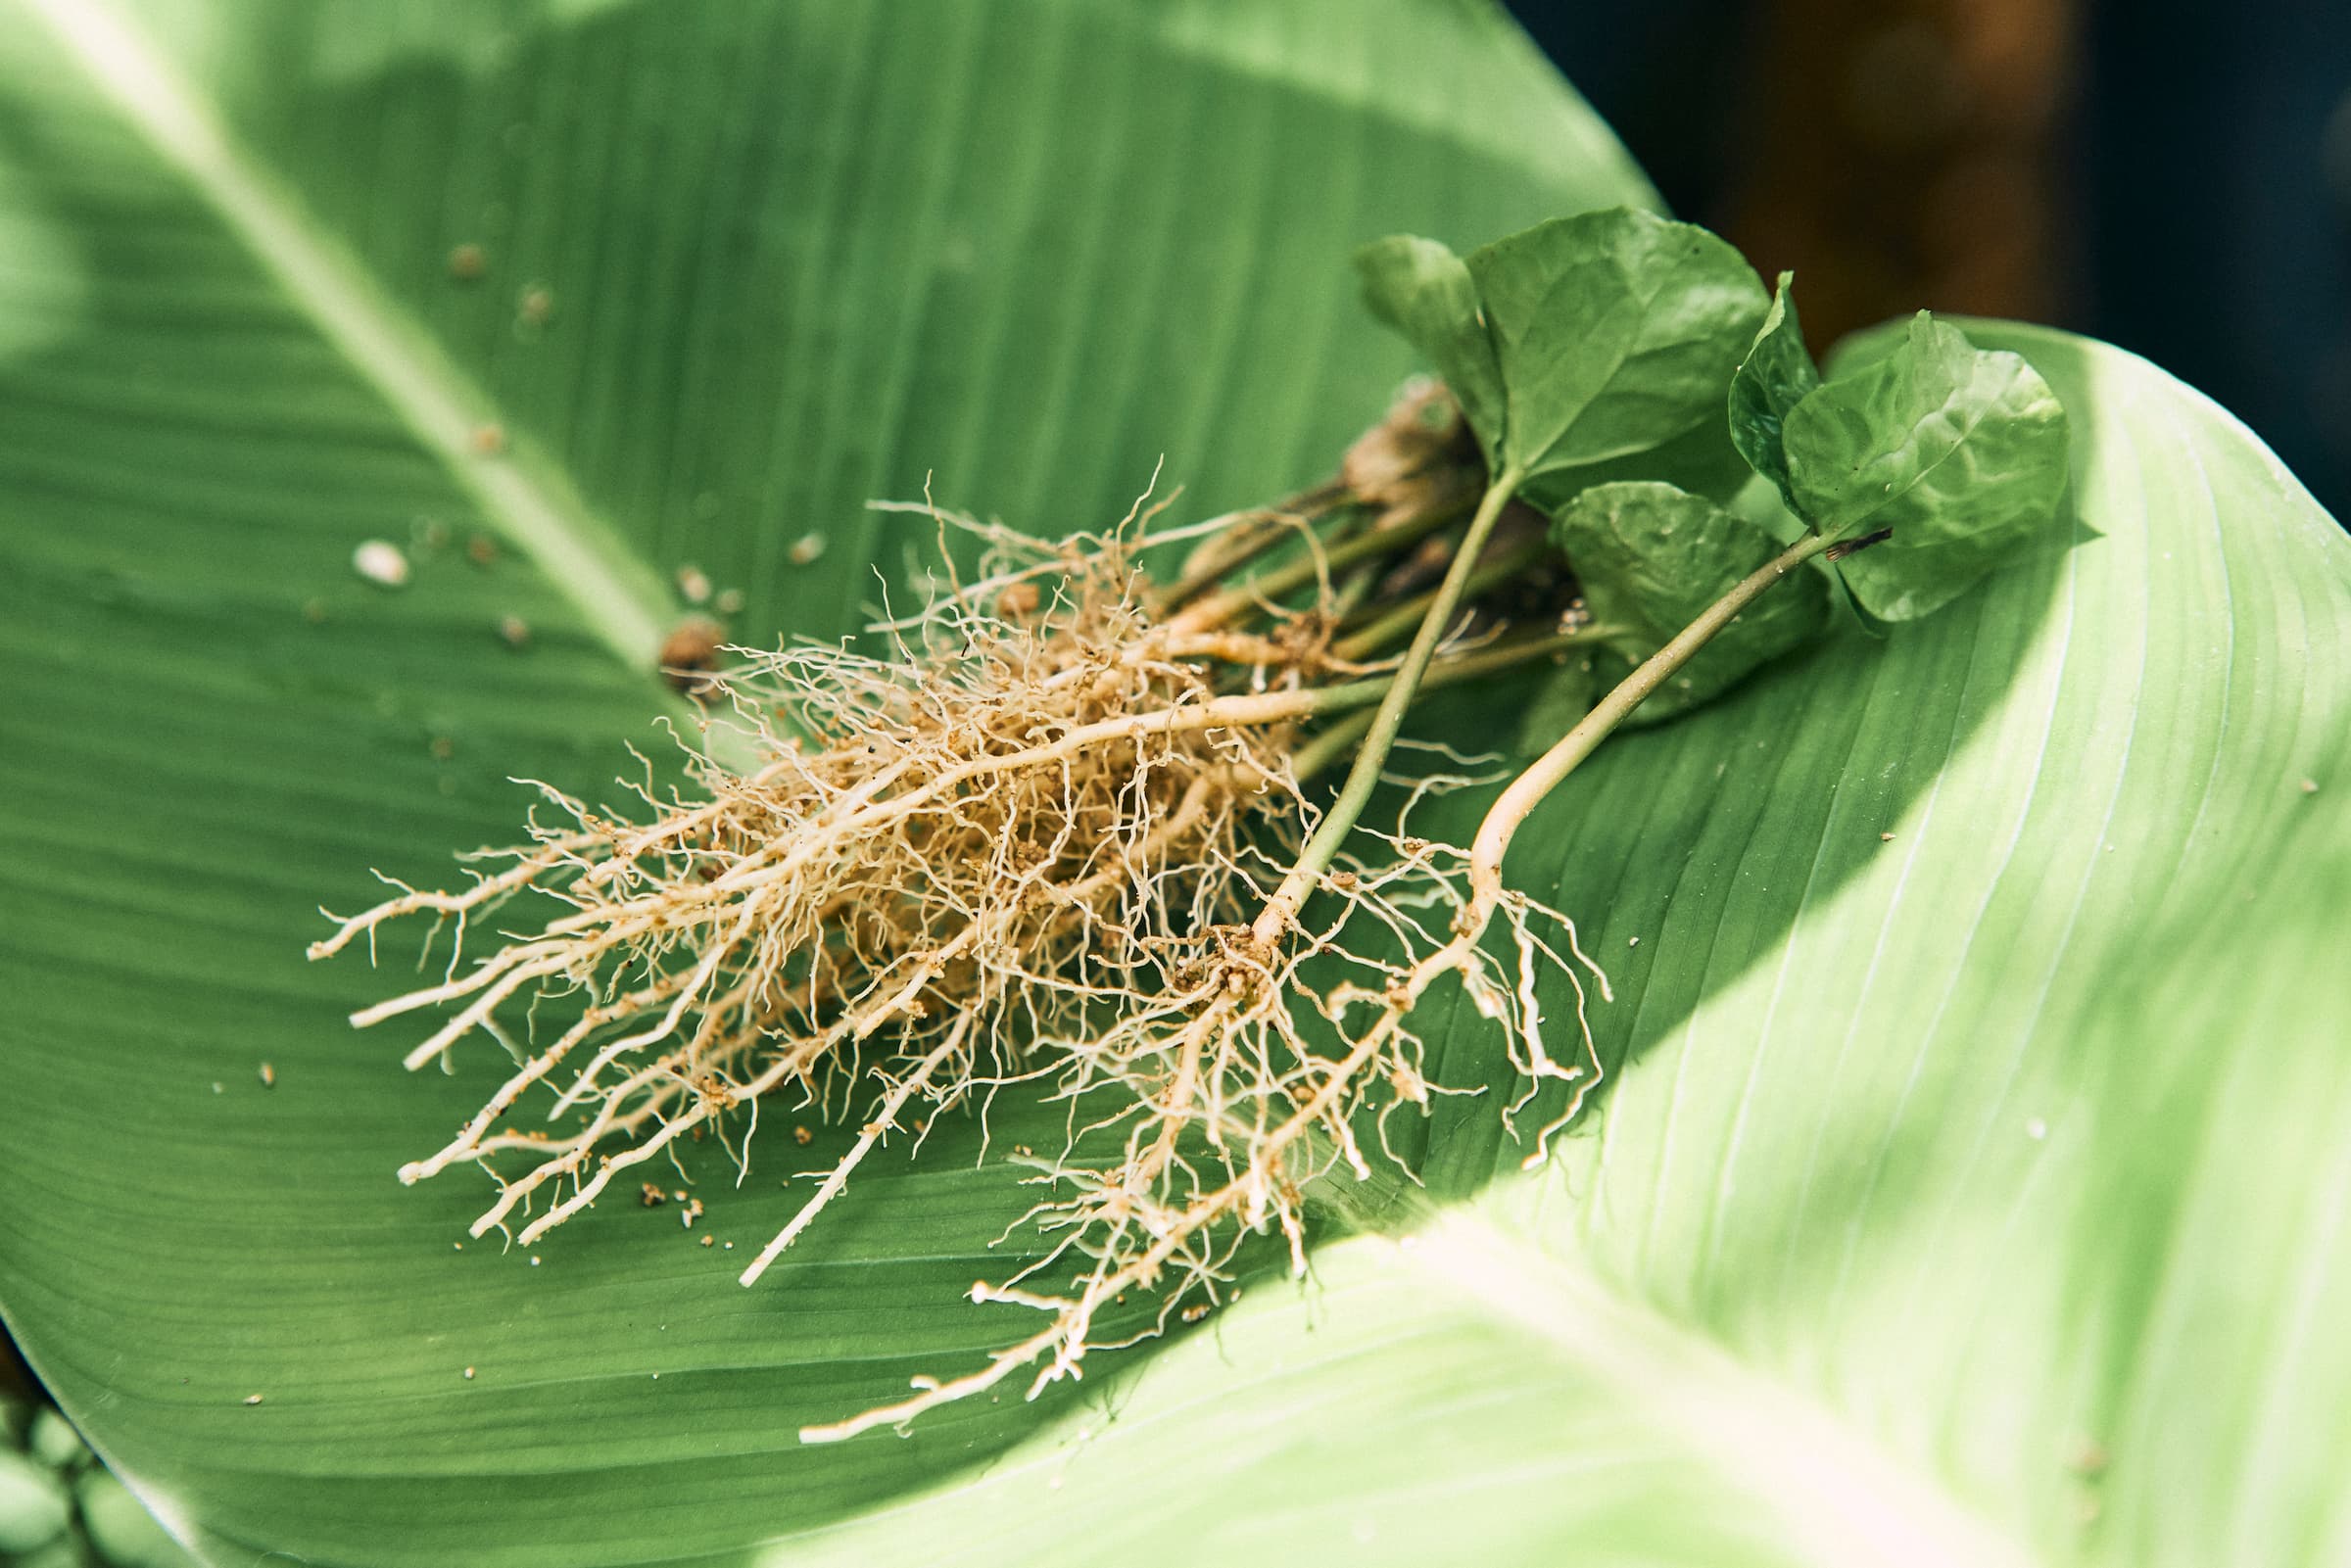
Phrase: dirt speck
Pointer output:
(690, 653)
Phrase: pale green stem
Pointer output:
(1223, 605)
(1526, 791)
(1323, 845)
(1330, 744)
(1250, 535)
(1391, 624)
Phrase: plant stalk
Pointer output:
(1388, 625)
(1241, 597)
(1249, 534)
(1527, 790)
(1323, 845)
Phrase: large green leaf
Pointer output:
(743, 267)
(1965, 1196)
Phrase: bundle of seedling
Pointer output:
(1096, 822)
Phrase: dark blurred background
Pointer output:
(2171, 175)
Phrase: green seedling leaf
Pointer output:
(1650, 558)
(1776, 375)
(1961, 453)
(1423, 291)
(1702, 461)
(1615, 332)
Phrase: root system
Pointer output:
(1030, 836)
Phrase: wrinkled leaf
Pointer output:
(1650, 558)
(1615, 332)
(1776, 375)
(1961, 453)
(1419, 287)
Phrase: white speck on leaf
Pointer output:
(381, 562)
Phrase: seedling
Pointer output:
(1064, 828)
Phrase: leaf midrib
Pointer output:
(619, 596)
(1844, 1499)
